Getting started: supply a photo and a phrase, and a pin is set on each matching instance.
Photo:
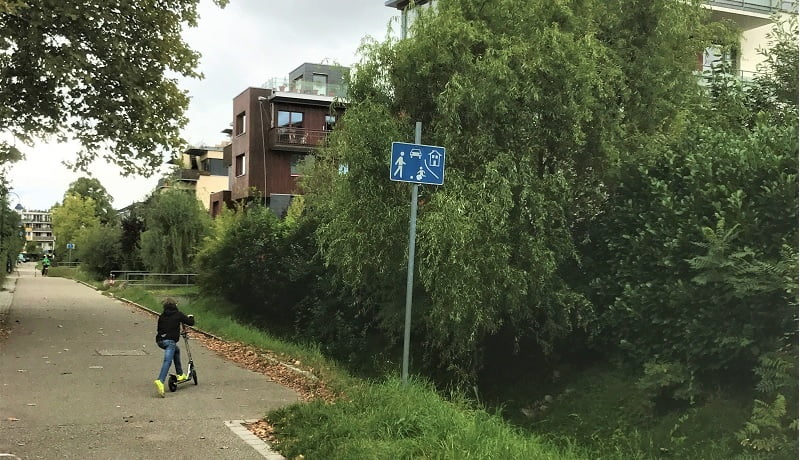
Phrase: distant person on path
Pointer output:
(167, 336)
(45, 265)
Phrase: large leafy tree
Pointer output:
(73, 216)
(535, 101)
(103, 73)
(88, 187)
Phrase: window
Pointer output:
(215, 166)
(294, 163)
(290, 119)
(715, 56)
(241, 123)
(290, 128)
(330, 122)
(240, 169)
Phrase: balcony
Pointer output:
(766, 7)
(296, 139)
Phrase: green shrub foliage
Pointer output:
(263, 265)
(99, 249)
(132, 226)
(175, 225)
(530, 135)
(698, 247)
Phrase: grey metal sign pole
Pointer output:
(412, 239)
(402, 5)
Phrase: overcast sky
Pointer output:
(245, 44)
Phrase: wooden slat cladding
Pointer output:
(282, 145)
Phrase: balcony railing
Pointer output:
(756, 6)
(41, 238)
(188, 174)
(745, 77)
(306, 87)
(299, 137)
(179, 177)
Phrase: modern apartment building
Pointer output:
(754, 18)
(274, 128)
(200, 170)
(38, 228)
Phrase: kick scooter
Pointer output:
(191, 373)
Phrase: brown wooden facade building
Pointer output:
(273, 130)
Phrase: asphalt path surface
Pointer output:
(76, 382)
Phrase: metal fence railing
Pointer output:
(142, 278)
(66, 264)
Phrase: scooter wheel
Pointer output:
(194, 377)
(172, 383)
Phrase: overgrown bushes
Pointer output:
(695, 251)
(99, 249)
(267, 264)
(175, 225)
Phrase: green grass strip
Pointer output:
(389, 420)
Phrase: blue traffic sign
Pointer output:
(419, 164)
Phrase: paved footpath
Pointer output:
(76, 382)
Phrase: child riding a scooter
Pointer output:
(167, 337)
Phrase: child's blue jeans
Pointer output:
(171, 353)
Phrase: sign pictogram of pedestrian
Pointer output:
(400, 162)
(419, 164)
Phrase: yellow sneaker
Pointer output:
(159, 387)
(183, 377)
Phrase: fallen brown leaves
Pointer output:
(291, 375)
(263, 430)
(303, 381)
(288, 372)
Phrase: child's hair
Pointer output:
(169, 301)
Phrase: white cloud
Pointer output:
(244, 44)
(41, 180)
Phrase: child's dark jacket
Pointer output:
(169, 323)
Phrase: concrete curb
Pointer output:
(7, 296)
(238, 428)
